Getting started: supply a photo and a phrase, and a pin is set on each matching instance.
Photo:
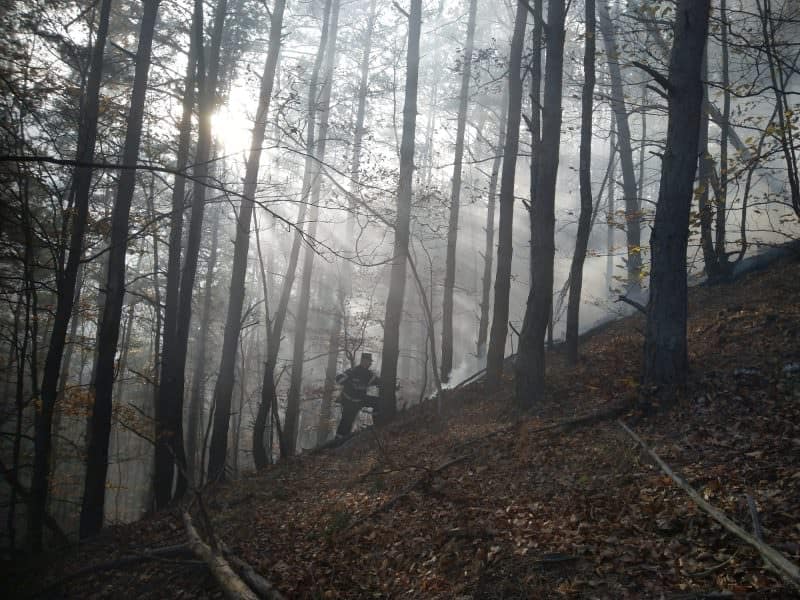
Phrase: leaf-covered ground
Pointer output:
(478, 504)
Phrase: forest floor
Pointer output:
(483, 504)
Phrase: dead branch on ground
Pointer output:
(784, 567)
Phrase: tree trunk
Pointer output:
(779, 88)
(530, 363)
(402, 227)
(633, 219)
(165, 397)
(665, 352)
(198, 379)
(345, 282)
(488, 252)
(224, 385)
(611, 208)
(455, 199)
(502, 281)
(66, 284)
(292, 419)
(169, 410)
(100, 424)
(585, 176)
(535, 124)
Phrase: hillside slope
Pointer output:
(478, 504)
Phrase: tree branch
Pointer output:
(660, 79)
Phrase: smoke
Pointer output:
(469, 365)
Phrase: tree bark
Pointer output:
(502, 281)
(66, 285)
(402, 226)
(633, 220)
(530, 363)
(585, 176)
(455, 199)
(665, 352)
(224, 385)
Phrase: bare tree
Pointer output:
(108, 336)
(502, 280)
(455, 198)
(530, 363)
(397, 281)
(292, 419)
(224, 385)
(665, 352)
(68, 292)
(584, 173)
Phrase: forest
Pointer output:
(216, 215)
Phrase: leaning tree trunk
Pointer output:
(488, 253)
(665, 352)
(585, 176)
(102, 387)
(292, 419)
(502, 280)
(455, 199)
(633, 218)
(402, 226)
(530, 363)
(224, 385)
(169, 410)
(66, 284)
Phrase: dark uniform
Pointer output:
(355, 382)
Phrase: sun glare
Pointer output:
(232, 129)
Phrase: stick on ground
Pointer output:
(781, 564)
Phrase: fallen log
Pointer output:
(786, 568)
(233, 587)
(256, 581)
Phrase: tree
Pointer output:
(345, 280)
(103, 384)
(488, 253)
(402, 225)
(455, 198)
(665, 352)
(170, 452)
(584, 173)
(530, 363)
(292, 419)
(67, 288)
(225, 379)
(625, 148)
(502, 281)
